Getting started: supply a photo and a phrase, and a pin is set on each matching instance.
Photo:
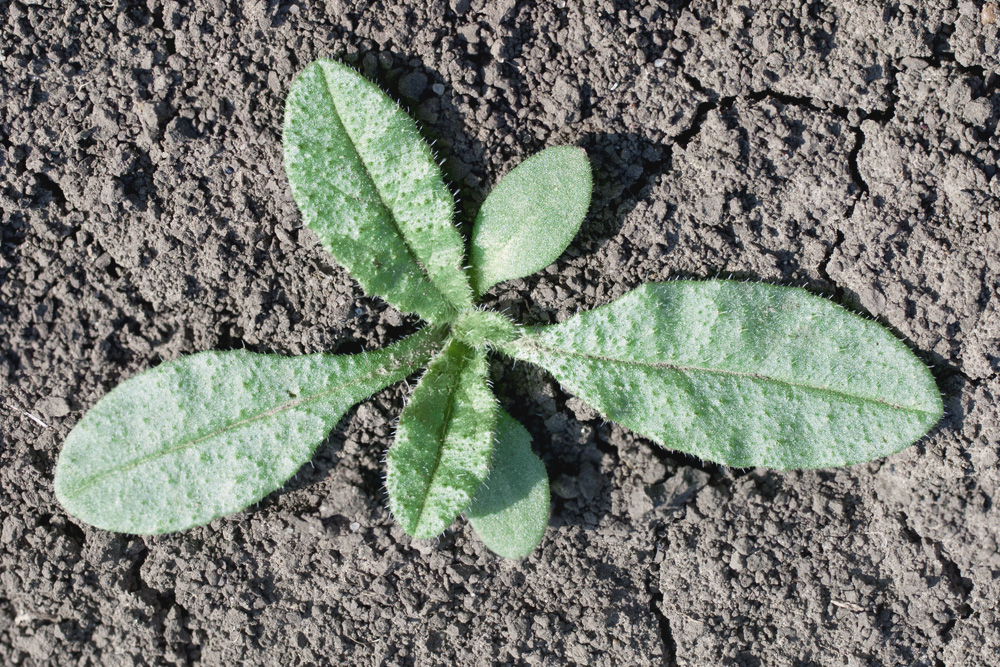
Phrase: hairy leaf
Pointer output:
(368, 185)
(442, 451)
(530, 217)
(511, 508)
(743, 374)
(208, 434)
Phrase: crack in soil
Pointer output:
(852, 165)
(940, 58)
(803, 101)
(854, 117)
(666, 633)
(879, 116)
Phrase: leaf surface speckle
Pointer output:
(442, 450)
(530, 217)
(368, 185)
(743, 374)
(511, 508)
(208, 434)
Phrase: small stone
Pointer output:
(355, 526)
(639, 504)
(679, 489)
(990, 13)
(438, 88)
(413, 85)
(581, 410)
(11, 531)
(742, 546)
(55, 406)
(565, 487)
(977, 112)
(659, 62)
(589, 481)
(370, 63)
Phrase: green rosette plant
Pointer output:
(737, 373)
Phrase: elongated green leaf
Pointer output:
(207, 435)
(743, 374)
(442, 451)
(511, 508)
(530, 216)
(368, 185)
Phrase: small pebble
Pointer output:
(659, 62)
(990, 13)
(55, 406)
(438, 88)
(565, 487)
(412, 85)
(589, 482)
(354, 526)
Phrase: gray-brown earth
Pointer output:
(849, 147)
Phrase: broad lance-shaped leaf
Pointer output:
(743, 374)
(209, 434)
(511, 508)
(368, 185)
(530, 217)
(442, 451)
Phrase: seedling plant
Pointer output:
(737, 373)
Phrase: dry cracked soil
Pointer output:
(849, 147)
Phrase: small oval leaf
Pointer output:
(743, 374)
(530, 217)
(368, 185)
(511, 509)
(442, 450)
(209, 434)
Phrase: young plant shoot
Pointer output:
(737, 373)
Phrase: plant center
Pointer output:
(480, 327)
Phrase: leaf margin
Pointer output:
(557, 228)
(392, 363)
(415, 486)
(516, 470)
(521, 349)
(429, 265)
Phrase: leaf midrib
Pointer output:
(688, 369)
(385, 206)
(442, 439)
(90, 480)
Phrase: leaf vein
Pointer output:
(688, 370)
(442, 439)
(90, 480)
(390, 214)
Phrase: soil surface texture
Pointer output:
(849, 147)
